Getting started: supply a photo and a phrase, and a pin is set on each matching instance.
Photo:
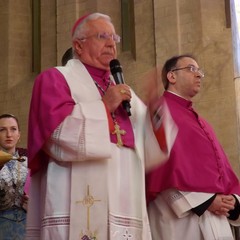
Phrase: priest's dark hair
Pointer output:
(170, 64)
(67, 56)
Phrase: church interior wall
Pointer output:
(163, 28)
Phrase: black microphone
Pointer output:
(116, 70)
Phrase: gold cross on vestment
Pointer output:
(88, 201)
(118, 133)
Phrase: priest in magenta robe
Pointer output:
(195, 194)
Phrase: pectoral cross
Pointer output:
(118, 133)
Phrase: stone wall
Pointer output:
(163, 28)
(15, 69)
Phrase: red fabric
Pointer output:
(197, 161)
(161, 137)
(158, 122)
(78, 22)
(51, 103)
(110, 120)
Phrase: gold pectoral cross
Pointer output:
(119, 132)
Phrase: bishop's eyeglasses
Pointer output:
(104, 36)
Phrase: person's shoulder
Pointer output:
(49, 75)
(51, 80)
(49, 71)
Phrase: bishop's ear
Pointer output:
(78, 46)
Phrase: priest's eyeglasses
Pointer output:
(105, 36)
(191, 69)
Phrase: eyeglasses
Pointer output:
(105, 36)
(191, 69)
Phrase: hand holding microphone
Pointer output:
(116, 71)
(115, 95)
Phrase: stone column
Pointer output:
(235, 25)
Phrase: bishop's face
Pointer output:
(98, 48)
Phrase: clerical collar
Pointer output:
(97, 72)
(183, 101)
(177, 95)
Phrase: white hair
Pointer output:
(81, 29)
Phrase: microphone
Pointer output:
(116, 70)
